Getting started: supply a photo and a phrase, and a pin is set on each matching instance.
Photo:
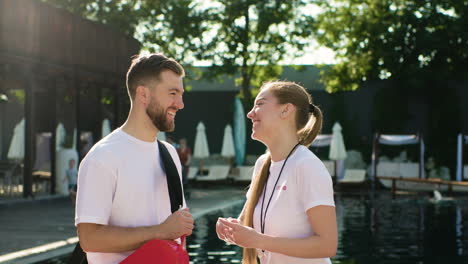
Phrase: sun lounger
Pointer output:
(10, 176)
(245, 174)
(330, 165)
(389, 169)
(353, 176)
(216, 173)
(192, 172)
(409, 170)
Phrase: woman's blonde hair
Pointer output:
(308, 124)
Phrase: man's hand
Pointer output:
(105, 238)
(177, 224)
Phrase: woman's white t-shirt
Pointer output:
(304, 183)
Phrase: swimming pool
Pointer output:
(408, 229)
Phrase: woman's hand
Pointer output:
(233, 232)
(221, 230)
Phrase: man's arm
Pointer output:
(104, 238)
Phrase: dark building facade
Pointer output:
(58, 68)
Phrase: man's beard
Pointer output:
(159, 118)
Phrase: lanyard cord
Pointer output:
(262, 215)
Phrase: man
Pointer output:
(123, 198)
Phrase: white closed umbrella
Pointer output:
(161, 136)
(106, 128)
(201, 149)
(227, 149)
(201, 143)
(337, 147)
(239, 131)
(16, 150)
(337, 150)
(59, 137)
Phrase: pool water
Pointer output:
(380, 230)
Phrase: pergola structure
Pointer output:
(63, 69)
(397, 140)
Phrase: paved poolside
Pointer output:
(35, 230)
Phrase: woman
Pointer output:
(289, 216)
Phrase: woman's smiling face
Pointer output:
(265, 115)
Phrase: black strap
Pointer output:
(78, 256)
(175, 195)
(173, 179)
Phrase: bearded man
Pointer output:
(123, 198)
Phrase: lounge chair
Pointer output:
(330, 165)
(216, 173)
(10, 175)
(245, 174)
(192, 173)
(388, 169)
(353, 176)
(409, 170)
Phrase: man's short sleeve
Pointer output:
(315, 184)
(96, 189)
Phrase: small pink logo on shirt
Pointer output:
(278, 188)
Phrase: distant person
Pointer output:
(123, 198)
(171, 141)
(86, 145)
(289, 216)
(71, 175)
(185, 155)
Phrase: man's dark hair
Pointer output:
(147, 68)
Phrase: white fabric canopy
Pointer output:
(398, 139)
(60, 135)
(16, 150)
(106, 128)
(227, 149)
(201, 149)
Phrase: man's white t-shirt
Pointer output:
(304, 184)
(121, 182)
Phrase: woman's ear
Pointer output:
(287, 110)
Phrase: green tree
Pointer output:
(123, 15)
(417, 47)
(244, 38)
(250, 38)
(393, 39)
(177, 28)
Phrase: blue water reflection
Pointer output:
(380, 230)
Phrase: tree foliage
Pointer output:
(119, 14)
(393, 39)
(245, 38)
(420, 49)
(252, 36)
